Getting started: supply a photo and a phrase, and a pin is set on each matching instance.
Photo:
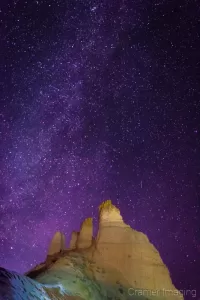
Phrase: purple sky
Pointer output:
(100, 101)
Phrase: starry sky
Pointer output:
(100, 100)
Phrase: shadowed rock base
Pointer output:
(14, 286)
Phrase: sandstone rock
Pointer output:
(120, 261)
(109, 213)
(84, 239)
(73, 240)
(130, 252)
(57, 244)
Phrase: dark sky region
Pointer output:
(100, 100)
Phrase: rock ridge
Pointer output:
(117, 247)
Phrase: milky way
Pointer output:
(99, 100)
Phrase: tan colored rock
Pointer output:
(57, 244)
(73, 240)
(118, 254)
(109, 213)
(84, 239)
(130, 252)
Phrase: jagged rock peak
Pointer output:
(109, 212)
(87, 222)
(106, 205)
(57, 243)
(121, 253)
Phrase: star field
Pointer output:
(100, 100)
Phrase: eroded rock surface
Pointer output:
(119, 264)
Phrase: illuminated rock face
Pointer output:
(108, 213)
(57, 244)
(130, 252)
(120, 263)
(84, 239)
(73, 241)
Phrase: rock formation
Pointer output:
(120, 263)
(130, 251)
(84, 239)
(15, 286)
(57, 244)
(73, 241)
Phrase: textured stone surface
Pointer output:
(15, 286)
(109, 213)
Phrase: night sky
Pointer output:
(100, 100)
